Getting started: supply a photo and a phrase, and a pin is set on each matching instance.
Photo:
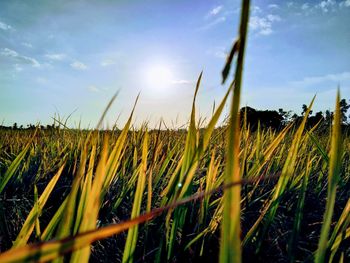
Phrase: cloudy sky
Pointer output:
(72, 56)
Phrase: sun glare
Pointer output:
(159, 76)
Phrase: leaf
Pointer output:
(29, 224)
(333, 178)
(230, 245)
(229, 59)
(133, 232)
(15, 164)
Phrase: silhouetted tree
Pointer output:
(344, 106)
(313, 120)
(304, 107)
(267, 118)
(329, 117)
(286, 115)
(30, 127)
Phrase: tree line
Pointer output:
(272, 119)
(279, 119)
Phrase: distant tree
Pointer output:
(304, 108)
(15, 126)
(329, 117)
(267, 118)
(30, 126)
(286, 115)
(344, 106)
(250, 115)
(313, 120)
(271, 119)
(319, 115)
(295, 116)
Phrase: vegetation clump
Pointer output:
(263, 187)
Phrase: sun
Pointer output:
(159, 76)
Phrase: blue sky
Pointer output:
(72, 56)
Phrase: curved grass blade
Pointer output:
(29, 224)
(50, 250)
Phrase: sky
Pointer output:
(70, 57)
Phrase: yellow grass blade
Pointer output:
(133, 232)
(333, 178)
(230, 246)
(15, 164)
(29, 224)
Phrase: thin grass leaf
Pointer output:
(133, 232)
(46, 251)
(333, 178)
(15, 164)
(230, 245)
(30, 222)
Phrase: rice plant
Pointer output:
(225, 192)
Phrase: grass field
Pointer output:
(83, 180)
(204, 194)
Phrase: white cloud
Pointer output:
(216, 10)
(335, 78)
(181, 82)
(345, 3)
(107, 62)
(9, 53)
(273, 18)
(326, 5)
(93, 88)
(78, 65)
(273, 6)
(57, 56)
(218, 52)
(305, 6)
(255, 9)
(266, 31)
(4, 26)
(18, 68)
(215, 22)
(6, 52)
(263, 25)
(215, 19)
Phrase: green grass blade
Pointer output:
(133, 232)
(333, 178)
(29, 224)
(15, 164)
(230, 246)
(299, 212)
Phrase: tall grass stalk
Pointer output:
(230, 247)
(333, 178)
(133, 232)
